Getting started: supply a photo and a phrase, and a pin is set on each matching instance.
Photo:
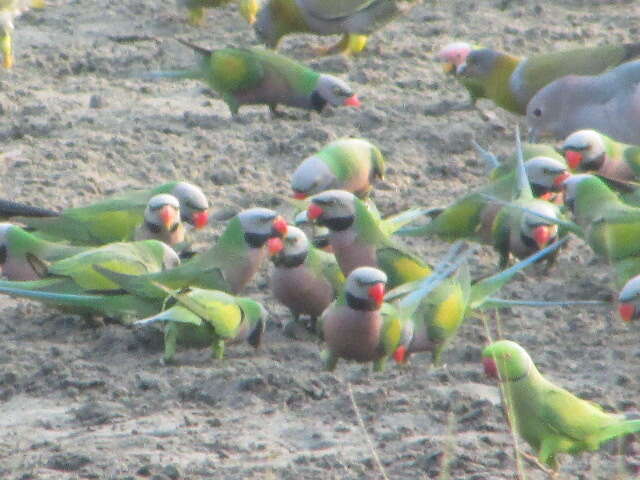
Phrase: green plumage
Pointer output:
(549, 418)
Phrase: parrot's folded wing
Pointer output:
(334, 9)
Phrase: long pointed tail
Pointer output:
(9, 209)
(625, 427)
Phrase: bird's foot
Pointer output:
(537, 463)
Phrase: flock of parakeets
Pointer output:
(339, 267)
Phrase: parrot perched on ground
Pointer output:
(511, 82)
(9, 11)
(358, 238)
(255, 76)
(549, 418)
(75, 282)
(609, 226)
(351, 164)
(354, 19)
(162, 221)
(359, 326)
(304, 279)
(208, 318)
(593, 152)
(24, 256)
(115, 219)
(228, 265)
(477, 216)
(606, 102)
(248, 9)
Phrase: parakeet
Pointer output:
(9, 11)
(255, 76)
(549, 418)
(304, 279)
(115, 219)
(590, 151)
(208, 318)
(606, 102)
(355, 20)
(351, 164)
(511, 82)
(509, 230)
(76, 283)
(358, 238)
(162, 221)
(24, 256)
(248, 9)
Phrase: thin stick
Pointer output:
(376, 458)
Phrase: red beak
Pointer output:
(376, 292)
(626, 311)
(299, 195)
(400, 355)
(275, 246)
(314, 211)
(168, 216)
(573, 158)
(542, 235)
(200, 219)
(560, 179)
(280, 226)
(352, 101)
(547, 196)
(490, 367)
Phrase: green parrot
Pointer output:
(358, 238)
(248, 9)
(201, 318)
(549, 418)
(24, 256)
(9, 11)
(255, 76)
(304, 279)
(423, 315)
(618, 164)
(510, 81)
(77, 284)
(482, 215)
(354, 19)
(115, 219)
(351, 164)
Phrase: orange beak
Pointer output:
(200, 219)
(542, 235)
(168, 216)
(560, 179)
(376, 292)
(626, 311)
(299, 195)
(573, 158)
(352, 101)
(279, 226)
(314, 211)
(275, 246)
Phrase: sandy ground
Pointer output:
(79, 402)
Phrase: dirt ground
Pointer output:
(81, 402)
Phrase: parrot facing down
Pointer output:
(549, 418)
(115, 219)
(208, 318)
(24, 256)
(350, 164)
(358, 238)
(355, 20)
(304, 279)
(511, 82)
(606, 103)
(255, 76)
(162, 221)
(248, 9)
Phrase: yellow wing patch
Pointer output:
(224, 317)
(450, 312)
(409, 269)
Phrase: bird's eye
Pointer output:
(338, 92)
(546, 171)
(537, 112)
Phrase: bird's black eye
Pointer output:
(537, 112)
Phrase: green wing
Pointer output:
(333, 9)
(327, 266)
(400, 266)
(232, 70)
